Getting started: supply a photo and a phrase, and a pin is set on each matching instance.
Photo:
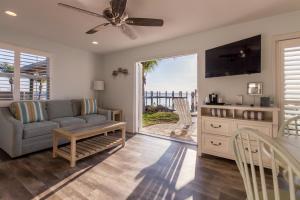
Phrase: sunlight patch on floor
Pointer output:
(173, 131)
(187, 170)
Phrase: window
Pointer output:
(30, 71)
(34, 81)
(290, 76)
(7, 61)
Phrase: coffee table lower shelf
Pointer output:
(90, 146)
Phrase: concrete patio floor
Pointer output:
(167, 129)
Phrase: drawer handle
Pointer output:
(216, 144)
(213, 126)
(251, 151)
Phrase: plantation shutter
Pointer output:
(7, 61)
(34, 79)
(290, 61)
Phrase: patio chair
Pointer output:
(182, 108)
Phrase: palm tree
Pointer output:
(6, 68)
(148, 66)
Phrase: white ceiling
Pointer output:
(44, 18)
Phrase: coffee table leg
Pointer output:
(55, 144)
(123, 136)
(73, 153)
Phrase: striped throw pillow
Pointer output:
(88, 106)
(27, 112)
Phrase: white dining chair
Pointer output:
(290, 127)
(253, 148)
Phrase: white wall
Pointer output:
(119, 91)
(72, 70)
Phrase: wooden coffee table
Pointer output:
(86, 140)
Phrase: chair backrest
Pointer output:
(183, 110)
(290, 127)
(251, 148)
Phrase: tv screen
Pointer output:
(241, 57)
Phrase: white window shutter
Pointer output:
(23, 75)
(7, 60)
(291, 77)
(34, 79)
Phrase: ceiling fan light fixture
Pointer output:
(10, 13)
(117, 16)
(95, 43)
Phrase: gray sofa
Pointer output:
(18, 139)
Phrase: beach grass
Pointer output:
(159, 118)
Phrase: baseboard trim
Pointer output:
(167, 138)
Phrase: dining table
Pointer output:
(291, 143)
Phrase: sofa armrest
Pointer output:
(106, 113)
(11, 133)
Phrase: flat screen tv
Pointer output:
(241, 57)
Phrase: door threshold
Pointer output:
(167, 138)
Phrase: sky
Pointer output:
(174, 74)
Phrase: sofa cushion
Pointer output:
(69, 121)
(28, 111)
(38, 128)
(59, 109)
(76, 107)
(94, 118)
(88, 106)
(44, 108)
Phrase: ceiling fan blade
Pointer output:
(118, 7)
(97, 28)
(80, 10)
(144, 22)
(128, 31)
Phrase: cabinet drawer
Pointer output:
(254, 152)
(266, 129)
(216, 144)
(217, 126)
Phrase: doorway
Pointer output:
(167, 97)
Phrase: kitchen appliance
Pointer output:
(213, 99)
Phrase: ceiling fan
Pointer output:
(117, 17)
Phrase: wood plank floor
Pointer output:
(147, 168)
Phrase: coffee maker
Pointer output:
(213, 98)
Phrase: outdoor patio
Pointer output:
(171, 130)
(170, 98)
